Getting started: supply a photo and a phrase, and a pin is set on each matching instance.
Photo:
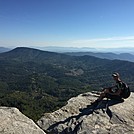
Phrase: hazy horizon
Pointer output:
(76, 49)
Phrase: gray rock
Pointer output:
(12, 121)
(79, 117)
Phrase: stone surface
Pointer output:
(12, 121)
(79, 117)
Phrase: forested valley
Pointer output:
(38, 81)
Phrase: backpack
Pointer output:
(125, 91)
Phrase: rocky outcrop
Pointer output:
(80, 117)
(12, 121)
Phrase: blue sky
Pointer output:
(67, 23)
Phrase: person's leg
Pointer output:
(102, 95)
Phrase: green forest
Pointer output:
(37, 81)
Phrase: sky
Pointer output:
(67, 23)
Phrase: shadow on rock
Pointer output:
(103, 105)
(74, 123)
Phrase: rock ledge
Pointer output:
(79, 117)
(12, 121)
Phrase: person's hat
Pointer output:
(115, 74)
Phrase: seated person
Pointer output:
(112, 92)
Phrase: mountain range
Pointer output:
(86, 49)
(106, 53)
(41, 81)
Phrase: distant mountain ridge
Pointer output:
(100, 53)
(111, 56)
(65, 49)
(30, 54)
(87, 49)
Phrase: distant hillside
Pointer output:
(87, 49)
(111, 56)
(24, 54)
(41, 81)
(3, 49)
(65, 49)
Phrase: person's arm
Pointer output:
(119, 89)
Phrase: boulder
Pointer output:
(12, 121)
(80, 117)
